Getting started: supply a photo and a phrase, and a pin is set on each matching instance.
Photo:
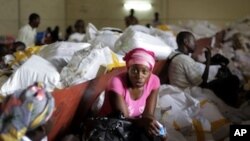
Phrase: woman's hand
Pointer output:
(151, 125)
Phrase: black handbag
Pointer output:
(108, 129)
(223, 72)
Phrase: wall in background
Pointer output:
(220, 12)
(15, 13)
(106, 13)
(111, 13)
(52, 12)
(8, 17)
(103, 13)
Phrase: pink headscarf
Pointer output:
(140, 56)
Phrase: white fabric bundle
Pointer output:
(183, 110)
(202, 29)
(193, 116)
(85, 64)
(166, 36)
(35, 69)
(91, 32)
(105, 38)
(132, 39)
(59, 53)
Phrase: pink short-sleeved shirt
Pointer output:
(119, 84)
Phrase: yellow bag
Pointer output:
(20, 56)
(32, 50)
(115, 63)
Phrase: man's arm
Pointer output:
(206, 71)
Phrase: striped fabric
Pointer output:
(23, 111)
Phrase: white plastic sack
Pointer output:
(76, 37)
(183, 111)
(106, 38)
(132, 39)
(202, 28)
(166, 36)
(35, 69)
(138, 28)
(85, 64)
(91, 32)
(60, 53)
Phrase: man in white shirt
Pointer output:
(27, 34)
(79, 34)
(185, 72)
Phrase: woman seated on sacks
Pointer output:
(134, 93)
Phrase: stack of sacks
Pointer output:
(138, 28)
(167, 36)
(242, 26)
(86, 63)
(33, 70)
(177, 28)
(195, 119)
(105, 38)
(201, 29)
(234, 115)
(91, 32)
(19, 57)
(243, 62)
(111, 29)
(132, 38)
(60, 53)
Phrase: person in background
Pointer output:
(68, 31)
(79, 34)
(184, 71)
(18, 46)
(3, 51)
(156, 21)
(131, 19)
(134, 93)
(48, 36)
(55, 34)
(27, 34)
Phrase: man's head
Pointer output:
(132, 11)
(156, 15)
(34, 20)
(80, 26)
(186, 42)
(18, 46)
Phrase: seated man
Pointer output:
(184, 72)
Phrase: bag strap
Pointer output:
(164, 73)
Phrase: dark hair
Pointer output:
(79, 21)
(181, 36)
(33, 17)
(3, 50)
(18, 45)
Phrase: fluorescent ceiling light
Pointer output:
(138, 5)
